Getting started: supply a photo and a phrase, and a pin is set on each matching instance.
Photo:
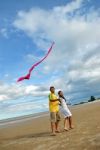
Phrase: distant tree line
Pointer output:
(92, 98)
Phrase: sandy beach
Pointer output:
(35, 134)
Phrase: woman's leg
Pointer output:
(70, 123)
(66, 123)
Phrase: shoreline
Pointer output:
(9, 121)
(37, 115)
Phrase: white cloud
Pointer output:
(3, 32)
(76, 4)
(14, 91)
(77, 42)
(3, 97)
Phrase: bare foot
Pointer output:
(53, 134)
(57, 131)
(72, 127)
(65, 129)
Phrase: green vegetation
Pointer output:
(92, 98)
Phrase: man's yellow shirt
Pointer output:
(53, 106)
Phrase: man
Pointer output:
(54, 111)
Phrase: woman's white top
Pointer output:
(64, 108)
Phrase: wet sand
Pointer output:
(35, 134)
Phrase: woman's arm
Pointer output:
(54, 100)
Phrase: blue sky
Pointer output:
(27, 29)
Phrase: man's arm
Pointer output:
(51, 99)
(54, 100)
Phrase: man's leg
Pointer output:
(57, 126)
(53, 120)
(57, 122)
(53, 128)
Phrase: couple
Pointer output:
(54, 103)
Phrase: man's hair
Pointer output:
(51, 87)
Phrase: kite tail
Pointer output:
(34, 65)
(30, 70)
(25, 77)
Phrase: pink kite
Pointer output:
(30, 70)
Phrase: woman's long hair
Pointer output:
(62, 96)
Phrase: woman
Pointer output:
(66, 112)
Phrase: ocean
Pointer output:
(21, 107)
(25, 106)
